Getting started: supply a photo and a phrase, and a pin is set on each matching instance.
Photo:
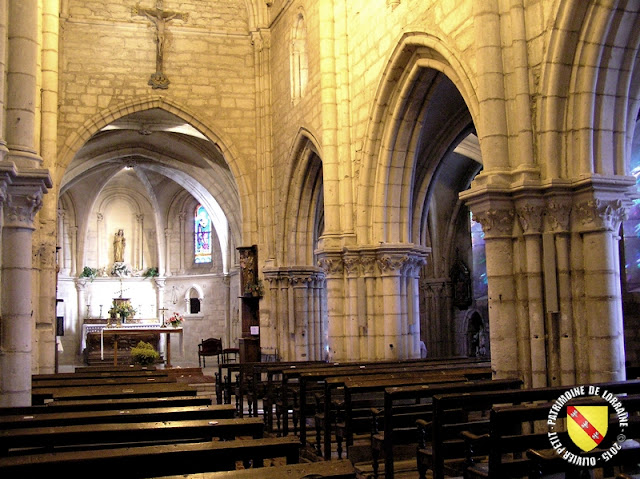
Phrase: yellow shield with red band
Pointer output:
(587, 425)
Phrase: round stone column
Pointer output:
(22, 69)
(23, 200)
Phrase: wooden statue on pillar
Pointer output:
(251, 292)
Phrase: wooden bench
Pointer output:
(336, 383)
(399, 420)
(113, 368)
(512, 432)
(320, 373)
(440, 448)
(175, 413)
(41, 384)
(323, 469)
(106, 404)
(102, 374)
(371, 389)
(95, 436)
(152, 461)
(111, 392)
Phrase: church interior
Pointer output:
(326, 181)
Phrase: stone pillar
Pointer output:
(558, 210)
(160, 284)
(597, 221)
(21, 83)
(333, 266)
(81, 289)
(182, 221)
(24, 199)
(368, 313)
(261, 40)
(139, 248)
(301, 318)
(167, 243)
(352, 330)
(3, 68)
(61, 241)
(101, 255)
(73, 234)
(529, 212)
(496, 215)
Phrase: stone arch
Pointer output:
(384, 191)
(304, 199)
(77, 139)
(587, 73)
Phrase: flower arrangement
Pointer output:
(122, 308)
(176, 320)
(120, 269)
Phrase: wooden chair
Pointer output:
(209, 347)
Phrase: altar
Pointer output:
(100, 341)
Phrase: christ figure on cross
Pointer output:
(159, 17)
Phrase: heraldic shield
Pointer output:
(587, 425)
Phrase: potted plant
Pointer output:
(151, 272)
(144, 354)
(88, 272)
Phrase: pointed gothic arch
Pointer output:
(419, 65)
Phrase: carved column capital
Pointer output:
(496, 223)
(22, 203)
(160, 283)
(352, 265)
(558, 215)
(530, 214)
(596, 214)
(332, 264)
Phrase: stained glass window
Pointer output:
(202, 227)
(631, 233)
(479, 270)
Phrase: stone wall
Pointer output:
(108, 54)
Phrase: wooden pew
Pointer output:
(111, 392)
(43, 384)
(323, 469)
(103, 374)
(335, 382)
(440, 449)
(336, 369)
(384, 442)
(95, 436)
(176, 413)
(106, 404)
(153, 461)
(508, 439)
(111, 367)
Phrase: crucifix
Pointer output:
(159, 17)
(163, 310)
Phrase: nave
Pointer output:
(425, 418)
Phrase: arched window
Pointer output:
(202, 228)
(299, 61)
